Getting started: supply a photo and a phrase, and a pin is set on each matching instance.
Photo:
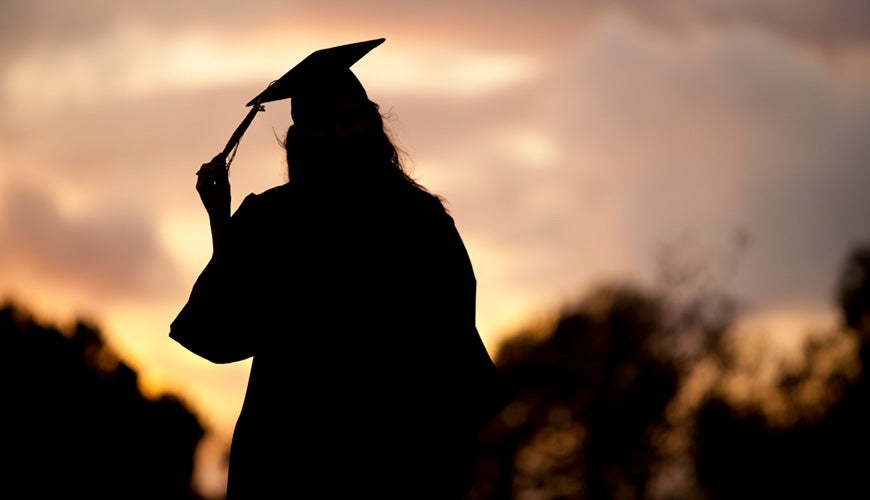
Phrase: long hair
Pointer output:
(346, 146)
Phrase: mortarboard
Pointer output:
(323, 71)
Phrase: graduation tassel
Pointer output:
(229, 151)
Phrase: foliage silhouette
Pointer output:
(820, 451)
(77, 425)
(607, 404)
(589, 393)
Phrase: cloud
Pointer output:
(823, 24)
(738, 132)
(26, 23)
(104, 254)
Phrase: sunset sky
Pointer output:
(576, 142)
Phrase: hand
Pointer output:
(213, 186)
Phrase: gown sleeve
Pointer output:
(211, 324)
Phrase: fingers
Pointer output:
(213, 186)
(217, 164)
(212, 173)
(209, 180)
(204, 178)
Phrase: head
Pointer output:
(338, 135)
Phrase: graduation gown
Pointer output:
(368, 372)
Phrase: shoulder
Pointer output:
(424, 217)
(271, 195)
(264, 201)
(422, 203)
(435, 210)
(277, 192)
(260, 212)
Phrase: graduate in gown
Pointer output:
(353, 292)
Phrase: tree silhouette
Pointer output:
(625, 396)
(820, 451)
(76, 424)
(589, 395)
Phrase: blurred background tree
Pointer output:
(809, 438)
(76, 424)
(635, 393)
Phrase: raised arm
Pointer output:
(213, 186)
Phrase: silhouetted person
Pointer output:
(353, 291)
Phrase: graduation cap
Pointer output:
(323, 72)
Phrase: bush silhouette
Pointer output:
(76, 424)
